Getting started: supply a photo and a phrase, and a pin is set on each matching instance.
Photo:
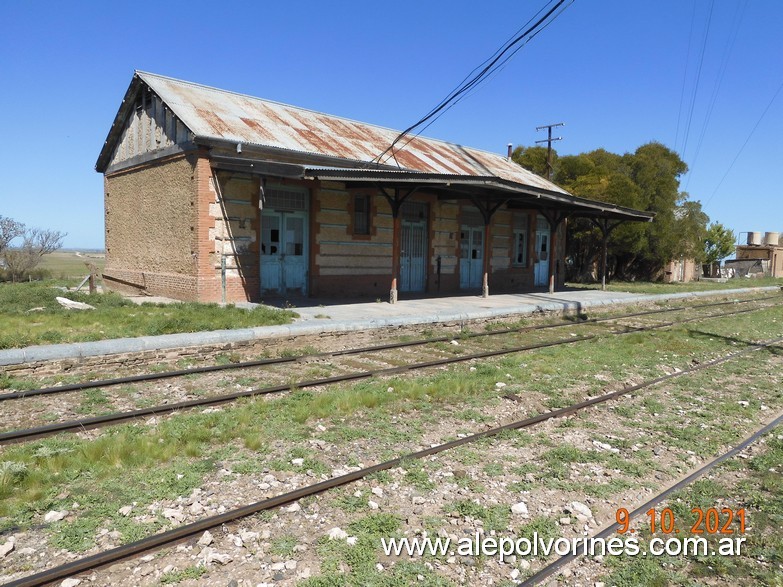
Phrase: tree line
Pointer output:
(648, 180)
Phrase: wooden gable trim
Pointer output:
(144, 125)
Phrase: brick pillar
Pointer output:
(204, 196)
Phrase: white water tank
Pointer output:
(754, 238)
(771, 238)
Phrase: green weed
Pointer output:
(494, 517)
(283, 546)
(174, 577)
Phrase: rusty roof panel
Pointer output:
(218, 114)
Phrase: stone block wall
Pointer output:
(150, 217)
(344, 263)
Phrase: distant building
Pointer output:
(216, 196)
(760, 256)
(681, 270)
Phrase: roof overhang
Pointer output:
(488, 188)
(445, 186)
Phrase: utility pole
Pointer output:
(548, 142)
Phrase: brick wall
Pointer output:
(171, 224)
(343, 263)
(228, 235)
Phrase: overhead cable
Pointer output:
(685, 77)
(747, 140)
(739, 13)
(499, 58)
(698, 78)
(497, 69)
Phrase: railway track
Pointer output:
(81, 424)
(555, 566)
(180, 533)
(94, 384)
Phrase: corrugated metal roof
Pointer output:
(211, 113)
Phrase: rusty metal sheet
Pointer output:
(219, 114)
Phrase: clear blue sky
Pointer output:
(612, 70)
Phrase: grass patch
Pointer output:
(754, 485)
(466, 456)
(308, 462)
(494, 517)
(100, 500)
(174, 577)
(633, 571)
(30, 315)
(666, 288)
(94, 402)
(71, 265)
(493, 469)
(381, 477)
(351, 502)
(542, 527)
(31, 476)
(416, 476)
(36, 470)
(283, 546)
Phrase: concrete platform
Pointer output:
(321, 316)
(466, 307)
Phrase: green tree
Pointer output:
(718, 243)
(647, 179)
(691, 228)
(572, 167)
(656, 169)
(597, 176)
(533, 159)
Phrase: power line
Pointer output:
(497, 69)
(698, 78)
(491, 65)
(507, 42)
(739, 14)
(549, 140)
(505, 61)
(464, 86)
(685, 77)
(747, 140)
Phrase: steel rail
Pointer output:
(553, 567)
(186, 531)
(80, 386)
(21, 435)
(25, 434)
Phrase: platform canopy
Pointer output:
(487, 189)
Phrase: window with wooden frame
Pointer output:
(519, 252)
(361, 215)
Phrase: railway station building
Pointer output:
(216, 196)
